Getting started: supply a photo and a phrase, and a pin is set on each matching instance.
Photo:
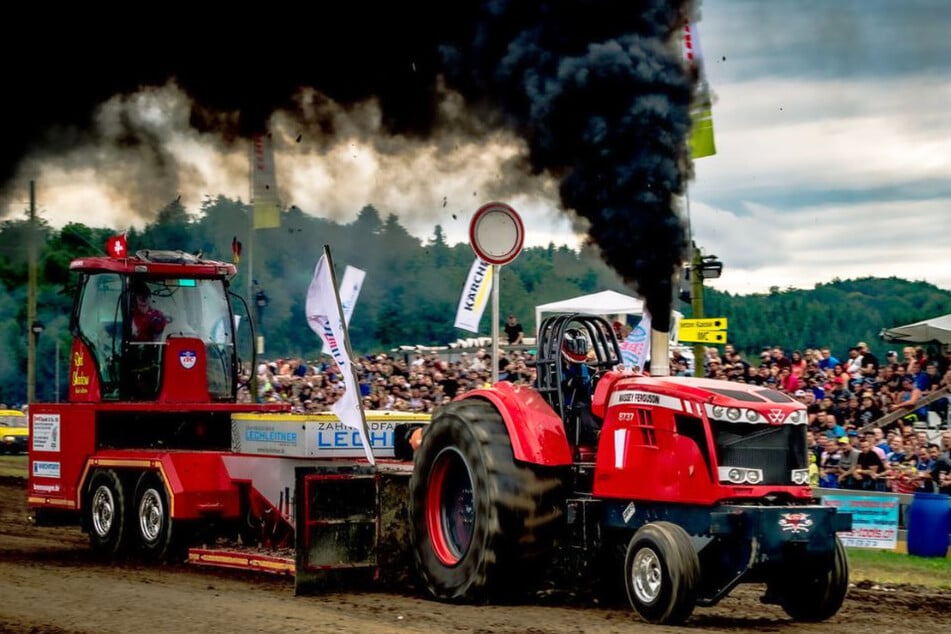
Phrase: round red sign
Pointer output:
(496, 233)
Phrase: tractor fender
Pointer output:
(536, 431)
(602, 389)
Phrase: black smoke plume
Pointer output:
(596, 88)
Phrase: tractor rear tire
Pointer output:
(106, 513)
(813, 594)
(661, 573)
(155, 531)
(482, 523)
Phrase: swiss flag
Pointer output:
(116, 247)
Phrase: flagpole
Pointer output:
(495, 323)
(251, 225)
(31, 337)
(256, 397)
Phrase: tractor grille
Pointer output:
(775, 449)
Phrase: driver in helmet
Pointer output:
(577, 385)
(574, 351)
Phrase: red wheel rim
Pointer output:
(450, 514)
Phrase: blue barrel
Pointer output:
(928, 525)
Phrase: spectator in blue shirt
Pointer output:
(828, 424)
(826, 360)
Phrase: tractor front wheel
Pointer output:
(815, 592)
(661, 573)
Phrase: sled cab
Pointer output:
(154, 327)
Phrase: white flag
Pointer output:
(326, 319)
(636, 349)
(349, 292)
(475, 295)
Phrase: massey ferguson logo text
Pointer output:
(795, 522)
(638, 397)
(776, 415)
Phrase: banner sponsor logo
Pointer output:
(45, 469)
(475, 296)
(188, 359)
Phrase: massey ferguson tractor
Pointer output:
(675, 489)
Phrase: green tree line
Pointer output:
(411, 290)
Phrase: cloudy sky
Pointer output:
(833, 153)
(833, 137)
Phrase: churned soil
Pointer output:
(51, 583)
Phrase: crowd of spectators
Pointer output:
(386, 381)
(842, 397)
(856, 391)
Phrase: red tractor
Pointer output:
(675, 489)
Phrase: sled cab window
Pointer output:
(179, 307)
(99, 324)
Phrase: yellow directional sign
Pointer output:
(704, 323)
(703, 330)
(701, 336)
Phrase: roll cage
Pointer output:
(604, 353)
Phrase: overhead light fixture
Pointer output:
(710, 267)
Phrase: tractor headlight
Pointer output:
(738, 475)
(800, 476)
(795, 417)
(752, 415)
(733, 414)
(717, 411)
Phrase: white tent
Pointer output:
(603, 303)
(934, 329)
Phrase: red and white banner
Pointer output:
(265, 204)
(325, 317)
(702, 142)
(636, 348)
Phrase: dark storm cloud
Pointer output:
(596, 89)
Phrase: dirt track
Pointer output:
(50, 583)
